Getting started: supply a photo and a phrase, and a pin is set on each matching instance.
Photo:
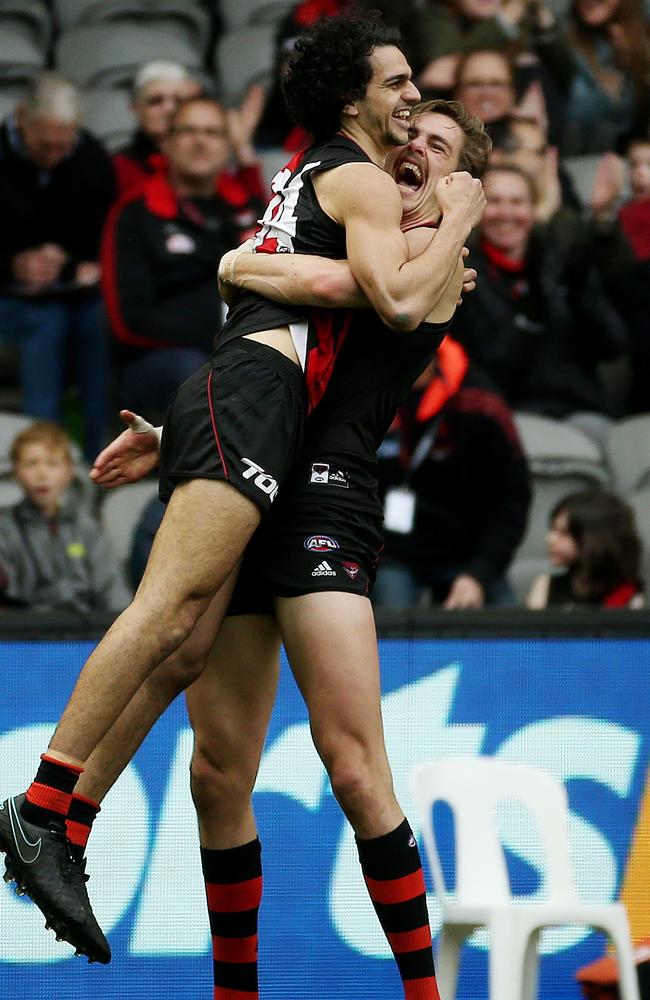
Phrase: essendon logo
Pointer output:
(352, 569)
(320, 543)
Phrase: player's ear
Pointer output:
(351, 110)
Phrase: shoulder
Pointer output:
(355, 188)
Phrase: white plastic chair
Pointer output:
(473, 787)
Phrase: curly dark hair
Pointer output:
(330, 67)
(609, 548)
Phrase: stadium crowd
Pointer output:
(108, 295)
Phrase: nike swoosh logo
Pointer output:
(27, 850)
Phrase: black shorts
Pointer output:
(308, 549)
(240, 419)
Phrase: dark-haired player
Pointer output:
(317, 554)
(234, 429)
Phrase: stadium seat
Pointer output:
(562, 460)
(29, 16)
(8, 101)
(107, 114)
(628, 453)
(108, 54)
(10, 493)
(120, 512)
(480, 791)
(640, 503)
(236, 73)
(186, 15)
(271, 161)
(240, 13)
(522, 572)
(19, 52)
(69, 12)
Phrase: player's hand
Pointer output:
(460, 193)
(469, 277)
(129, 457)
(465, 592)
(226, 273)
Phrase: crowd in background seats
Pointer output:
(108, 252)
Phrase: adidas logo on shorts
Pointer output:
(323, 569)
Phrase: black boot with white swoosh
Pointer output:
(40, 863)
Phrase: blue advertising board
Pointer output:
(579, 708)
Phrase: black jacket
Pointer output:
(66, 205)
(159, 268)
(472, 488)
(540, 334)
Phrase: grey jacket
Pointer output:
(64, 566)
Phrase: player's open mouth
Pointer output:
(403, 116)
(409, 175)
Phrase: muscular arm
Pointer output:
(316, 281)
(403, 291)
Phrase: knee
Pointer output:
(178, 671)
(359, 774)
(218, 785)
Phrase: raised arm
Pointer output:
(366, 201)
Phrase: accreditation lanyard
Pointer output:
(399, 502)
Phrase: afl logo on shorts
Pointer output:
(320, 543)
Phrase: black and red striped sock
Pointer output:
(50, 793)
(79, 822)
(393, 872)
(233, 885)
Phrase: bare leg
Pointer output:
(337, 669)
(153, 697)
(331, 643)
(229, 707)
(205, 529)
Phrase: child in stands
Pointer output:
(594, 543)
(53, 557)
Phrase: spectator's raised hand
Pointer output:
(242, 123)
(130, 456)
(549, 187)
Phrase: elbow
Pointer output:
(399, 319)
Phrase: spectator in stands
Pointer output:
(596, 235)
(456, 488)
(525, 145)
(634, 219)
(53, 556)
(485, 83)
(443, 32)
(539, 321)
(593, 540)
(604, 74)
(158, 88)
(56, 185)
(160, 254)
